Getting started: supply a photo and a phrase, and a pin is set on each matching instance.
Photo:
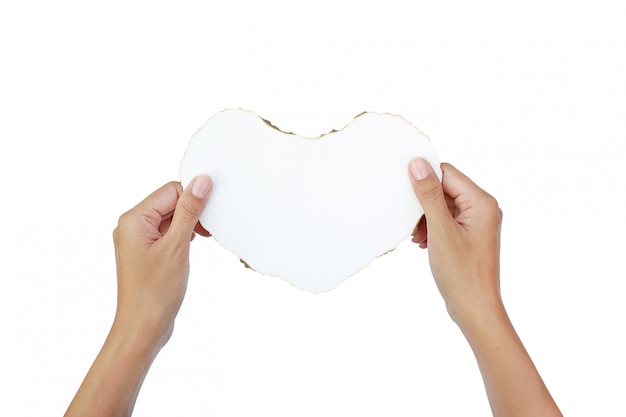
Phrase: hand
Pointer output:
(152, 252)
(461, 229)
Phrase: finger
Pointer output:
(429, 191)
(160, 204)
(462, 193)
(189, 207)
(421, 231)
(456, 184)
(165, 225)
(451, 206)
(199, 229)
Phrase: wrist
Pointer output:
(480, 312)
(139, 336)
(113, 382)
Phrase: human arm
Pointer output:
(461, 229)
(152, 254)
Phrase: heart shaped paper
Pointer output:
(311, 211)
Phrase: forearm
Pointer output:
(513, 384)
(113, 382)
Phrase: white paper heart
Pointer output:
(312, 211)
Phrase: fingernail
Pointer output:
(201, 185)
(419, 169)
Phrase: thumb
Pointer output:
(189, 207)
(428, 190)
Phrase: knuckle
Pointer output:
(432, 192)
(492, 208)
(188, 211)
(125, 219)
(493, 205)
(123, 225)
(490, 203)
(126, 222)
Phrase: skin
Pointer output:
(152, 253)
(460, 229)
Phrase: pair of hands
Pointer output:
(152, 246)
(461, 229)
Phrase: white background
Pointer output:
(98, 100)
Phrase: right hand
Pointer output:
(152, 252)
(461, 229)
